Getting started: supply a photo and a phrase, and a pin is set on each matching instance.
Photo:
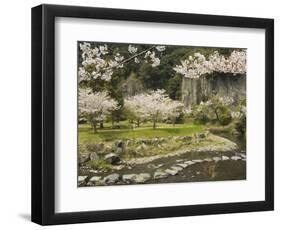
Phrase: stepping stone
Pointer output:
(142, 178)
(95, 179)
(189, 162)
(235, 158)
(177, 168)
(171, 172)
(216, 159)
(242, 155)
(225, 158)
(180, 160)
(182, 165)
(160, 175)
(197, 161)
(208, 159)
(153, 166)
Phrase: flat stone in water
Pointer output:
(189, 162)
(182, 165)
(216, 159)
(177, 168)
(142, 177)
(197, 161)
(208, 159)
(225, 158)
(171, 172)
(180, 160)
(242, 155)
(160, 175)
(235, 158)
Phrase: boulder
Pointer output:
(81, 180)
(93, 156)
(201, 135)
(112, 158)
(129, 178)
(112, 178)
(142, 178)
(95, 179)
(83, 158)
(119, 151)
(95, 147)
(160, 175)
(120, 144)
(143, 145)
(186, 138)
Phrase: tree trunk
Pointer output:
(101, 125)
(217, 116)
(94, 124)
(138, 123)
(112, 121)
(154, 123)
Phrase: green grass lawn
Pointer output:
(87, 136)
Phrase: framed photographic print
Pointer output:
(141, 114)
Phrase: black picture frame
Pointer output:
(43, 114)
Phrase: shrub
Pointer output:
(225, 118)
(99, 164)
(240, 125)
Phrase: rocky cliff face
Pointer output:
(195, 90)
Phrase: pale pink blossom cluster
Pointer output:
(154, 105)
(225, 101)
(197, 65)
(98, 105)
(97, 64)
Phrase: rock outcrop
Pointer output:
(195, 90)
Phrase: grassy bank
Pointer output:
(86, 134)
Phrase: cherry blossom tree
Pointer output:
(134, 106)
(100, 62)
(96, 105)
(173, 110)
(154, 105)
(197, 65)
